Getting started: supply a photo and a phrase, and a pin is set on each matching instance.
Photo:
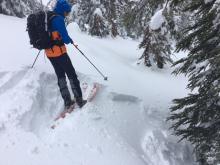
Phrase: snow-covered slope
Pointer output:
(124, 125)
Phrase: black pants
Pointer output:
(63, 66)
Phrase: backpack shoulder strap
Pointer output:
(52, 15)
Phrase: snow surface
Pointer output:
(124, 125)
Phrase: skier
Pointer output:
(59, 58)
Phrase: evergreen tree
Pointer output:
(119, 17)
(90, 16)
(156, 42)
(196, 117)
(178, 20)
(112, 16)
(97, 24)
(137, 14)
(82, 12)
(101, 14)
(18, 8)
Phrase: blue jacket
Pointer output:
(58, 23)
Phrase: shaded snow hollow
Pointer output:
(124, 125)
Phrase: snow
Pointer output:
(45, 2)
(124, 125)
(157, 20)
(98, 12)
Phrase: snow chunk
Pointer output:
(157, 20)
(98, 12)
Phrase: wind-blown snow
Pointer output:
(124, 125)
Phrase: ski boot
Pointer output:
(80, 102)
(69, 104)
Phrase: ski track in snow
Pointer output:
(13, 81)
(46, 102)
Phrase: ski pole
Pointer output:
(36, 59)
(105, 77)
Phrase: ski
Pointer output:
(90, 94)
(93, 92)
(63, 114)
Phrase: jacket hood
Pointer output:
(62, 6)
